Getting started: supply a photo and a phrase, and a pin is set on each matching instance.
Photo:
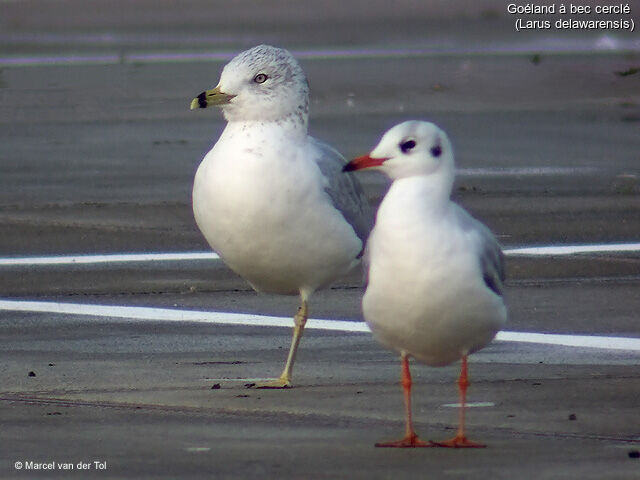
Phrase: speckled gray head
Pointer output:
(263, 83)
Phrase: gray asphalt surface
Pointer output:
(97, 154)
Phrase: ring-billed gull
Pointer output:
(271, 200)
(435, 273)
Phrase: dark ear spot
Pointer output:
(407, 145)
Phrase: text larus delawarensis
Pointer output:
(271, 200)
(435, 273)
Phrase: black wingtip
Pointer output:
(348, 168)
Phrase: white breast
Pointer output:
(262, 207)
(426, 293)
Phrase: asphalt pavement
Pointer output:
(98, 150)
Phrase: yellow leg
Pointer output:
(284, 381)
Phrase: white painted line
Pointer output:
(573, 249)
(224, 318)
(584, 341)
(197, 449)
(194, 256)
(108, 258)
(524, 171)
(188, 55)
(176, 315)
(470, 405)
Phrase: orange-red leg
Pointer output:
(410, 439)
(460, 440)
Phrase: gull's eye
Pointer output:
(407, 146)
(436, 151)
(260, 78)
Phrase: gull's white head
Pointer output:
(412, 148)
(263, 83)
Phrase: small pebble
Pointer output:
(573, 417)
(32, 374)
(634, 454)
(215, 386)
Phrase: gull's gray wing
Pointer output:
(366, 262)
(492, 262)
(488, 249)
(345, 191)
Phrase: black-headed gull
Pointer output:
(435, 274)
(270, 199)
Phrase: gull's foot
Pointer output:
(275, 383)
(459, 441)
(410, 441)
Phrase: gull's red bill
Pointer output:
(365, 161)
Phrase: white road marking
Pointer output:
(470, 405)
(524, 171)
(187, 55)
(573, 249)
(108, 258)
(224, 318)
(175, 315)
(195, 256)
(197, 449)
(584, 341)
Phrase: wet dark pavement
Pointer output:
(98, 156)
